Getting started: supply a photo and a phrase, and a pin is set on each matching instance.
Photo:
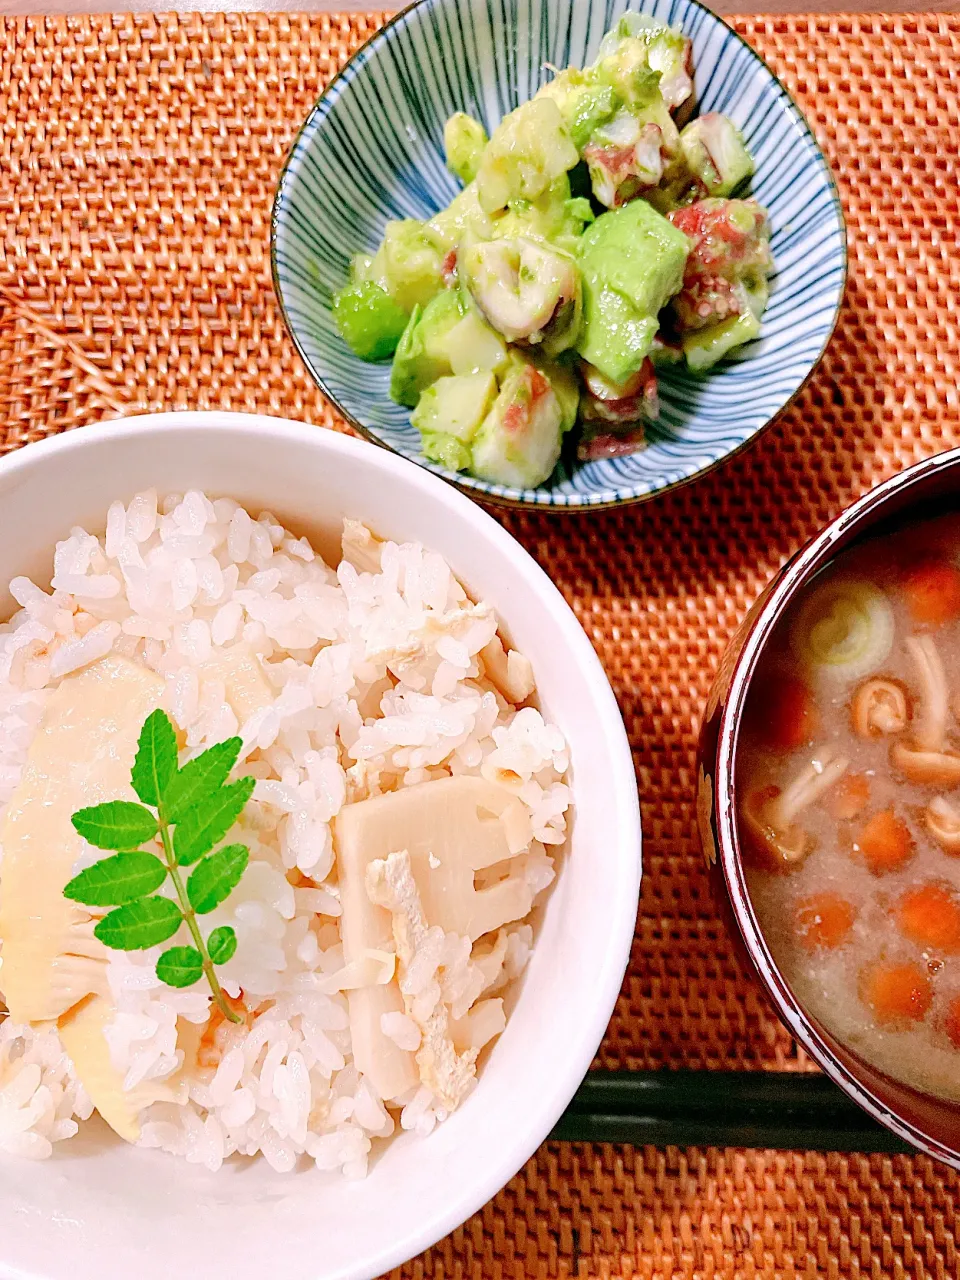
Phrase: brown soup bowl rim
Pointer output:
(717, 796)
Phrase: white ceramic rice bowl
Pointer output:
(99, 1208)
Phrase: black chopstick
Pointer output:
(780, 1110)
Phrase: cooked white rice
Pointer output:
(379, 684)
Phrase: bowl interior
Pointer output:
(372, 150)
(929, 1122)
(98, 1206)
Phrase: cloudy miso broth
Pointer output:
(848, 793)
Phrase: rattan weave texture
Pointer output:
(138, 157)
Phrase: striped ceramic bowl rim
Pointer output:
(372, 150)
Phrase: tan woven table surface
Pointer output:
(138, 158)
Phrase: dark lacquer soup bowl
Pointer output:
(929, 1120)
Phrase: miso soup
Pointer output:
(848, 792)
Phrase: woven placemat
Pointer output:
(138, 157)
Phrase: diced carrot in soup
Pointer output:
(885, 843)
(896, 992)
(785, 715)
(850, 796)
(823, 921)
(929, 915)
(932, 592)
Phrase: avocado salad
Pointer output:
(594, 242)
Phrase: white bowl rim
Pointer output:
(549, 1104)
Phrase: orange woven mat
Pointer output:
(138, 157)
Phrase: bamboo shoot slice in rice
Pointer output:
(361, 547)
(451, 828)
(82, 1036)
(509, 670)
(53, 966)
(448, 1074)
(364, 927)
(80, 756)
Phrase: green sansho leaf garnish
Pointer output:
(199, 778)
(223, 943)
(216, 877)
(194, 807)
(180, 966)
(112, 882)
(210, 820)
(119, 824)
(156, 762)
(140, 924)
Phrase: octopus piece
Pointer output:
(526, 291)
(630, 158)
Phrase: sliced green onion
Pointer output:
(844, 629)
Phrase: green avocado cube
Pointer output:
(529, 150)
(715, 154)
(473, 347)
(705, 347)
(421, 356)
(368, 320)
(632, 262)
(447, 450)
(463, 141)
(462, 217)
(584, 104)
(455, 406)
(408, 264)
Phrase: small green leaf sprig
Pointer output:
(194, 807)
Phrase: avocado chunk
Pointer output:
(408, 264)
(464, 140)
(706, 346)
(530, 148)
(553, 216)
(447, 450)
(455, 405)
(584, 104)
(368, 320)
(518, 442)
(715, 154)
(629, 74)
(421, 355)
(462, 217)
(632, 262)
(473, 347)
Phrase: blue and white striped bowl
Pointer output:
(372, 150)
